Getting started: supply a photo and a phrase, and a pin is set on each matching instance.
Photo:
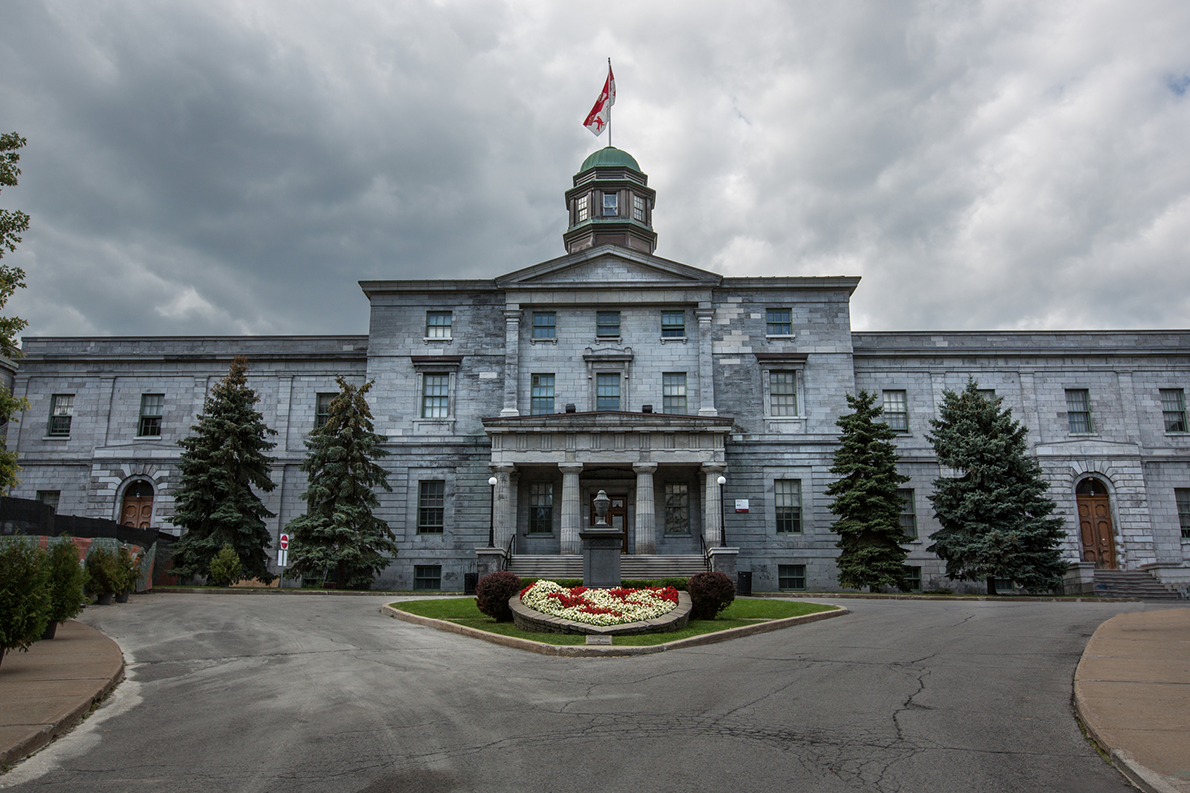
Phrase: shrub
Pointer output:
(129, 569)
(65, 581)
(710, 593)
(225, 566)
(492, 593)
(678, 583)
(104, 571)
(24, 594)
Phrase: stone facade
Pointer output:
(613, 369)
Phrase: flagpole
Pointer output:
(609, 103)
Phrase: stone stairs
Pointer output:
(631, 566)
(1131, 584)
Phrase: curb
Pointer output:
(573, 651)
(1141, 777)
(47, 733)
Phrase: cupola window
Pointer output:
(638, 208)
(580, 209)
(611, 205)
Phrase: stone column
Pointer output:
(572, 509)
(512, 358)
(504, 519)
(706, 373)
(712, 513)
(646, 518)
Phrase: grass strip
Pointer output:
(743, 611)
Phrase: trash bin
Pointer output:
(469, 582)
(743, 585)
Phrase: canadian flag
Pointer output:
(601, 115)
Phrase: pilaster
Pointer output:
(646, 518)
(512, 359)
(571, 509)
(706, 371)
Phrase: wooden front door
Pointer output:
(617, 516)
(138, 506)
(1094, 524)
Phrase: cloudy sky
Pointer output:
(236, 167)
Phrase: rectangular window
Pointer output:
(987, 393)
(581, 211)
(544, 324)
(787, 499)
(1078, 409)
(49, 498)
(431, 506)
(912, 581)
(673, 324)
(778, 322)
(541, 395)
(611, 205)
(435, 396)
(1182, 496)
(149, 425)
(783, 393)
(607, 392)
(437, 324)
(908, 514)
(896, 410)
(607, 323)
(541, 508)
(638, 208)
(322, 409)
(791, 576)
(427, 576)
(61, 410)
(673, 393)
(677, 508)
(1005, 585)
(1173, 408)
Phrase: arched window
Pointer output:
(1091, 487)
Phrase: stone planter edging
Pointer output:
(527, 619)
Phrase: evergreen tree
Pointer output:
(339, 532)
(996, 515)
(12, 224)
(221, 462)
(866, 499)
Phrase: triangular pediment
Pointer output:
(609, 265)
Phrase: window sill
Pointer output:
(544, 341)
(780, 336)
(1085, 434)
(538, 535)
(674, 339)
(608, 339)
(56, 438)
(438, 534)
(147, 438)
(668, 535)
(438, 339)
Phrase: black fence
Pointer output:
(25, 516)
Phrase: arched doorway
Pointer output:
(1094, 524)
(138, 505)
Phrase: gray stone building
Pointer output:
(613, 369)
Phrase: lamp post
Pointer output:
(722, 513)
(492, 514)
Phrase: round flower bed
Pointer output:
(600, 607)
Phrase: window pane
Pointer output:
(438, 324)
(427, 576)
(896, 410)
(322, 409)
(580, 209)
(783, 393)
(638, 208)
(610, 204)
(912, 578)
(543, 324)
(541, 396)
(607, 323)
(677, 508)
(607, 392)
(908, 514)
(673, 392)
(1182, 497)
(787, 500)
(151, 406)
(778, 322)
(1078, 409)
(1173, 408)
(431, 506)
(791, 576)
(50, 498)
(541, 508)
(673, 324)
(61, 410)
(436, 396)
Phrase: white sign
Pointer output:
(283, 558)
(741, 505)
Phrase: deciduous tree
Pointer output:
(995, 514)
(866, 499)
(12, 224)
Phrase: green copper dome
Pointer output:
(610, 157)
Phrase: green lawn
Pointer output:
(744, 611)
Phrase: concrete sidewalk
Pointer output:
(1132, 691)
(50, 688)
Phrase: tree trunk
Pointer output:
(991, 585)
(342, 575)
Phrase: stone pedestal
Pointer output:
(491, 560)
(723, 560)
(1079, 579)
(602, 545)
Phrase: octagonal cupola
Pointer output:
(610, 204)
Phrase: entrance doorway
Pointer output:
(617, 516)
(1094, 524)
(138, 506)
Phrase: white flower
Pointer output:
(599, 606)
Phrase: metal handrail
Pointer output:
(706, 552)
(507, 560)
